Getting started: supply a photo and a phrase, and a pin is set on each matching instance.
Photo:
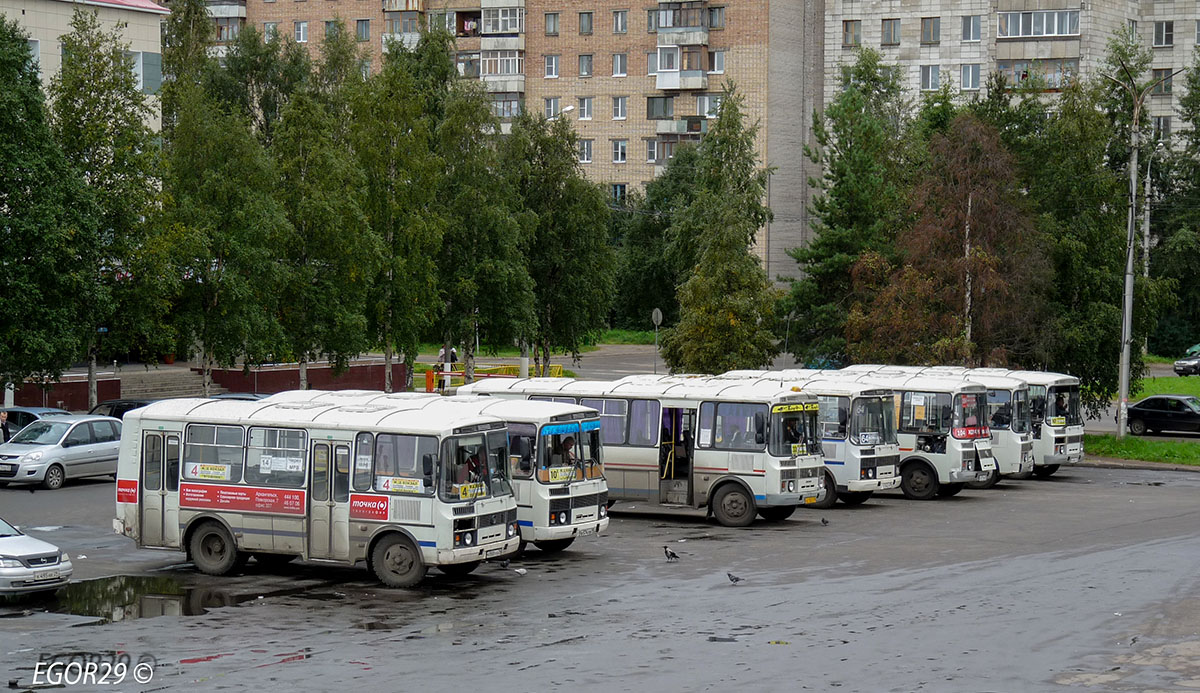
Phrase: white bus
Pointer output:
(734, 449)
(942, 430)
(858, 433)
(555, 457)
(402, 490)
(1057, 417)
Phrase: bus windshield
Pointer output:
(522, 448)
(794, 430)
(969, 415)
(1037, 403)
(475, 466)
(589, 452)
(1021, 421)
(559, 453)
(925, 412)
(1063, 406)
(874, 421)
(1000, 409)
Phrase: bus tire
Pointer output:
(554, 545)
(855, 497)
(777, 513)
(948, 490)
(1137, 427)
(212, 550)
(992, 479)
(918, 481)
(273, 560)
(458, 569)
(830, 496)
(1045, 470)
(397, 562)
(55, 476)
(733, 505)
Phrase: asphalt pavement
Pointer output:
(1087, 581)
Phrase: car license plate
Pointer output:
(46, 575)
(7, 467)
(587, 531)
(493, 552)
(811, 499)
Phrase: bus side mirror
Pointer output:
(427, 467)
(760, 428)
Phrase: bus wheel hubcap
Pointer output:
(214, 547)
(735, 505)
(399, 560)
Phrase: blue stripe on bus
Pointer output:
(427, 543)
(525, 523)
(556, 429)
(760, 498)
(835, 462)
(833, 440)
(591, 425)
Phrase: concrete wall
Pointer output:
(271, 379)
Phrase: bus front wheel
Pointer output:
(213, 551)
(830, 495)
(918, 481)
(855, 497)
(776, 514)
(458, 569)
(733, 506)
(1045, 470)
(397, 563)
(553, 545)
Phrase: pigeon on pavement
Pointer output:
(671, 555)
(504, 564)
(824, 522)
(733, 578)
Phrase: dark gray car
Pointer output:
(52, 450)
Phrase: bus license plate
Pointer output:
(587, 531)
(811, 499)
(46, 575)
(493, 552)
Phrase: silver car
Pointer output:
(50, 451)
(30, 565)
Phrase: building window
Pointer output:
(503, 62)
(504, 20)
(585, 22)
(1162, 81)
(660, 107)
(552, 107)
(1198, 32)
(301, 32)
(651, 151)
(506, 106)
(362, 29)
(331, 28)
(227, 28)
(1047, 23)
(716, 61)
(620, 21)
(620, 151)
(552, 24)
(1164, 34)
(1054, 72)
(931, 29)
(716, 18)
(585, 108)
(270, 31)
(668, 59)
(1162, 128)
(410, 23)
(851, 33)
(618, 193)
(620, 64)
(364, 68)
(551, 66)
(708, 104)
(651, 21)
(891, 33)
(585, 151)
(585, 65)
(970, 27)
(970, 77)
(442, 21)
(620, 107)
(682, 14)
(929, 77)
(652, 63)
(467, 64)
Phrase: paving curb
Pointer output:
(1114, 463)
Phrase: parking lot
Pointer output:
(1086, 581)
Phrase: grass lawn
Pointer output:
(1188, 385)
(1143, 449)
(1151, 358)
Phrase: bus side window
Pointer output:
(152, 462)
(341, 474)
(644, 422)
(171, 473)
(363, 461)
(320, 472)
(706, 425)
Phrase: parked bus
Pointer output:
(857, 422)
(734, 449)
(942, 430)
(402, 490)
(1057, 417)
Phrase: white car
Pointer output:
(30, 565)
(50, 451)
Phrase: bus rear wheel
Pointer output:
(918, 482)
(733, 506)
(776, 514)
(855, 497)
(1045, 470)
(458, 569)
(397, 563)
(830, 495)
(213, 551)
(554, 545)
(992, 479)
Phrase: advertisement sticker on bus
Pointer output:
(1058, 421)
(591, 425)
(399, 484)
(242, 498)
(783, 408)
(469, 491)
(560, 429)
(362, 463)
(267, 464)
(212, 472)
(367, 507)
(127, 490)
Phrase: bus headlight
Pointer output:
(603, 511)
(512, 530)
(791, 486)
(464, 539)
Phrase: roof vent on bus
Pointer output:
(301, 405)
(363, 408)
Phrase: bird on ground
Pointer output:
(32, 490)
(671, 555)
(504, 564)
(824, 522)
(733, 578)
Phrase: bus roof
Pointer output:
(914, 382)
(1045, 378)
(665, 388)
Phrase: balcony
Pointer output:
(408, 39)
(402, 5)
(496, 84)
(686, 125)
(226, 8)
(502, 43)
(682, 80)
(683, 36)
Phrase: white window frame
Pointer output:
(930, 77)
(668, 51)
(551, 64)
(35, 50)
(972, 28)
(620, 64)
(507, 62)
(652, 63)
(1033, 24)
(620, 151)
(270, 31)
(585, 108)
(620, 21)
(503, 20)
(716, 62)
(1164, 33)
(620, 107)
(301, 31)
(972, 70)
(651, 151)
(585, 151)
(553, 106)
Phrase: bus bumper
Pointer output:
(772, 500)
(581, 529)
(495, 549)
(964, 475)
(1075, 458)
(872, 485)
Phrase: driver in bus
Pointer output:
(1060, 405)
(791, 432)
(568, 450)
(471, 470)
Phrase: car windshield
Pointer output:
(7, 530)
(874, 421)
(1193, 403)
(1062, 405)
(590, 452)
(41, 433)
(475, 466)
(794, 430)
(1000, 409)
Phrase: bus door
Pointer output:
(329, 501)
(675, 453)
(150, 485)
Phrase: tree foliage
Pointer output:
(258, 77)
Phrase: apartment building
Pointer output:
(963, 42)
(46, 21)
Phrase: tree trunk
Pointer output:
(207, 371)
(92, 397)
(967, 266)
(303, 372)
(387, 368)
(469, 356)
(410, 360)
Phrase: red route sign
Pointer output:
(242, 498)
(127, 490)
(367, 507)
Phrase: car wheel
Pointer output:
(992, 479)
(1137, 427)
(55, 476)
(458, 569)
(776, 514)
(1045, 470)
(948, 490)
(273, 560)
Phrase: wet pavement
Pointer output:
(1089, 580)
